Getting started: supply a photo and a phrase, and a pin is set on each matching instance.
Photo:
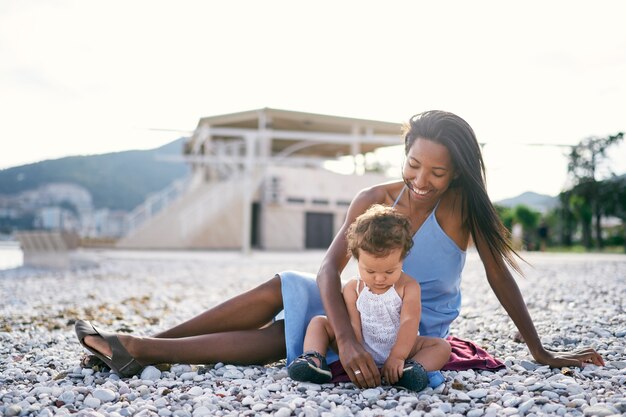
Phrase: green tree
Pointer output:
(612, 193)
(584, 161)
(529, 219)
(582, 210)
(567, 220)
(506, 216)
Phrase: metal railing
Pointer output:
(155, 203)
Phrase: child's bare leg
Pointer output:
(319, 334)
(431, 352)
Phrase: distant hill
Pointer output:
(539, 202)
(119, 180)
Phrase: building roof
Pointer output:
(328, 136)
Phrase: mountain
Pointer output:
(540, 202)
(119, 180)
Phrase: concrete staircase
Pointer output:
(205, 215)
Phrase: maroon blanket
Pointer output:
(467, 355)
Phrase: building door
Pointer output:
(255, 239)
(319, 230)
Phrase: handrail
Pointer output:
(154, 204)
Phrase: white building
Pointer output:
(259, 179)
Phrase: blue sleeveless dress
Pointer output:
(435, 261)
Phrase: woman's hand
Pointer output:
(359, 365)
(580, 358)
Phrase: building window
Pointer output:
(320, 202)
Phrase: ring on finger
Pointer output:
(357, 372)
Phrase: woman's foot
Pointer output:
(96, 342)
(108, 348)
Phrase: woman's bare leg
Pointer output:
(250, 310)
(241, 316)
(242, 347)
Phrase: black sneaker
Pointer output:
(414, 377)
(304, 368)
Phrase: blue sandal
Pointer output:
(414, 377)
(304, 368)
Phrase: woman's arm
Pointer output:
(351, 353)
(506, 290)
(349, 297)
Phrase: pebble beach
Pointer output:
(576, 300)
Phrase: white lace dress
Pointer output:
(380, 320)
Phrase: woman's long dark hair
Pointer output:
(458, 137)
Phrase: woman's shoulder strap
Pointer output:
(399, 196)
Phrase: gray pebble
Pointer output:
(150, 373)
(478, 393)
(371, 393)
(13, 410)
(103, 394)
(529, 366)
(600, 410)
(92, 402)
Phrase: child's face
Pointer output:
(379, 274)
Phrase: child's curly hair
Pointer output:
(380, 230)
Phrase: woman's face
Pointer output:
(428, 170)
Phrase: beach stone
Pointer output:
(370, 394)
(459, 396)
(477, 412)
(103, 394)
(283, 412)
(150, 373)
(601, 332)
(188, 376)
(308, 386)
(274, 387)
(259, 407)
(524, 407)
(68, 397)
(13, 410)
(478, 393)
(529, 366)
(92, 402)
(180, 369)
(233, 374)
(574, 389)
(195, 391)
(600, 410)
(202, 411)
(576, 402)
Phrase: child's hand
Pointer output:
(392, 369)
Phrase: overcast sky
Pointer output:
(86, 77)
